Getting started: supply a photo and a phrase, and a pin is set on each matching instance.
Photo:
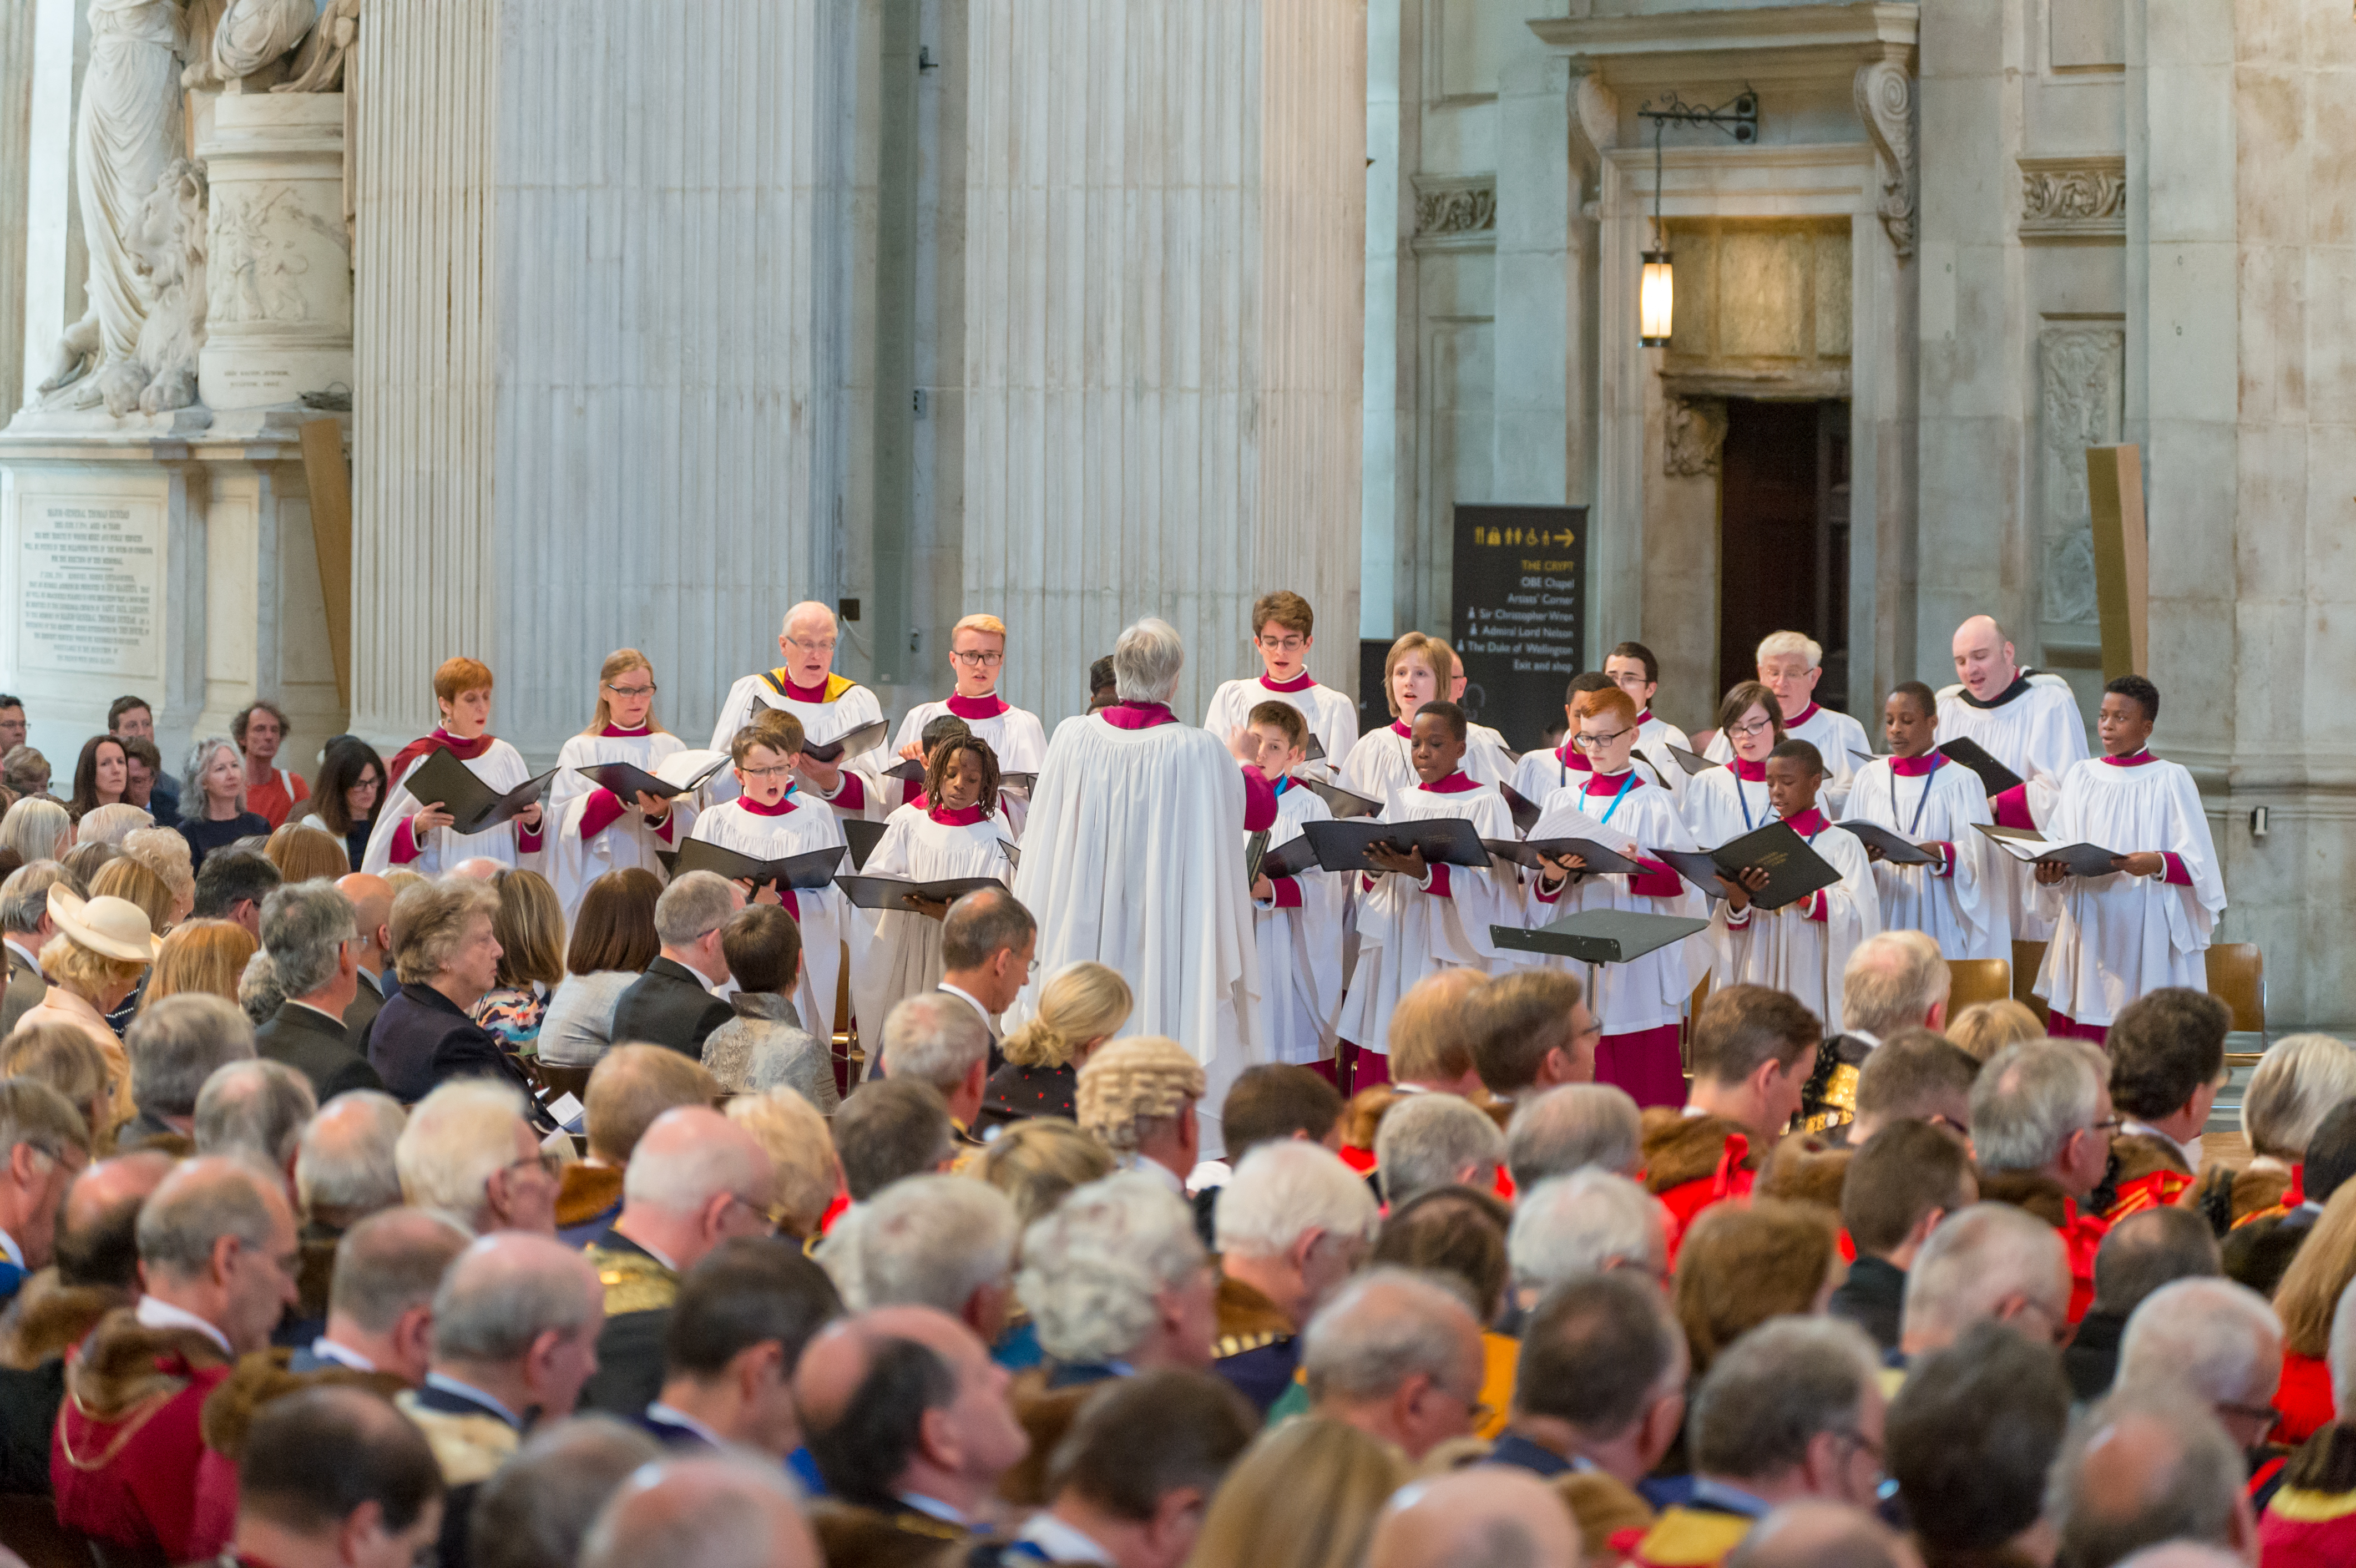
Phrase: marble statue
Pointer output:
(319, 66)
(168, 240)
(253, 32)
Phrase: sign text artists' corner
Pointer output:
(1519, 614)
(88, 573)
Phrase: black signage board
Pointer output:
(1519, 609)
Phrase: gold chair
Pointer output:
(2028, 957)
(2237, 978)
(1972, 980)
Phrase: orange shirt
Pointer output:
(274, 799)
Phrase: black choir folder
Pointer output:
(1525, 853)
(1995, 778)
(893, 892)
(1692, 762)
(1525, 814)
(1339, 801)
(2027, 845)
(627, 781)
(1289, 858)
(855, 742)
(1599, 935)
(1896, 848)
(861, 836)
(802, 873)
(474, 806)
(1794, 870)
(1444, 840)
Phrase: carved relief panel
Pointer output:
(2081, 371)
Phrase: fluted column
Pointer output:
(16, 164)
(603, 268)
(1164, 309)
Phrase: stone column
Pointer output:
(16, 167)
(602, 318)
(1164, 307)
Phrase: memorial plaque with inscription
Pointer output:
(1520, 612)
(89, 577)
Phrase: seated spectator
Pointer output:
(310, 934)
(447, 956)
(1305, 1492)
(345, 795)
(2041, 1126)
(1036, 1162)
(514, 1336)
(889, 1130)
(467, 1155)
(1398, 1356)
(1598, 1399)
(232, 886)
(2294, 1085)
(257, 1110)
(1138, 1096)
(988, 941)
(1471, 1516)
(1432, 1029)
(1456, 1235)
(134, 881)
(2310, 1294)
(1116, 1280)
(163, 851)
(99, 949)
(328, 1473)
(62, 1058)
(765, 1047)
(801, 1151)
(537, 1509)
(216, 1256)
(1744, 1265)
(695, 1180)
(1531, 1030)
(2223, 1342)
(1810, 1534)
(25, 928)
(175, 1045)
(1132, 1482)
(1793, 1411)
(2147, 1464)
(1273, 1100)
(698, 1510)
(1913, 1076)
(1987, 1262)
(2145, 1250)
(379, 1316)
(1569, 1129)
(1753, 1050)
(630, 1087)
(147, 786)
(1893, 981)
(2258, 1251)
(44, 1144)
(305, 854)
(371, 900)
(941, 1241)
(343, 1172)
(200, 958)
(736, 1331)
(672, 1005)
(1590, 1222)
(908, 1420)
(1903, 1182)
(2311, 1520)
(530, 927)
(1435, 1140)
(36, 828)
(1292, 1225)
(213, 813)
(2167, 1061)
(1081, 1006)
(937, 1039)
(86, 860)
(1972, 1433)
(1984, 1028)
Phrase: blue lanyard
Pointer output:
(1916, 826)
(1742, 799)
(1625, 785)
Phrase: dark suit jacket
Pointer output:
(422, 1041)
(668, 1005)
(367, 1002)
(1872, 1297)
(318, 1047)
(25, 989)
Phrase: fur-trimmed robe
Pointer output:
(126, 1456)
(1692, 1162)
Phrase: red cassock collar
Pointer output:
(1748, 770)
(964, 817)
(1403, 730)
(1597, 784)
(1138, 715)
(439, 740)
(989, 707)
(785, 804)
(1808, 824)
(616, 732)
(1571, 757)
(1301, 682)
(1915, 767)
(2136, 761)
(1454, 783)
(1802, 717)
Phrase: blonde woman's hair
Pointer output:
(83, 971)
(399, 878)
(61, 1056)
(2319, 1273)
(111, 824)
(1434, 655)
(1079, 1004)
(307, 854)
(37, 829)
(619, 663)
(207, 956)
(2296, 1083)
(1304, 1495)
(124, 878)
(165, 852)
(798, 1145)
(1036, 1162)
(1986, 1028)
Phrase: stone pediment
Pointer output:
(1762, 44)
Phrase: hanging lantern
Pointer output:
(1657, 300)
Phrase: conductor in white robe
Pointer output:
(2147, 923)
(828, 706)
(1133, 856)
(2030, 722)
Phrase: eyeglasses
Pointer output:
(825, 645)
(777, 772)
(1747, 731)
(2110, 1126)
(763, 1217)
(977, 657)
(631, 691)
(2265, 1413)
(547, 1163)
(1284, 644)
(1598, 742)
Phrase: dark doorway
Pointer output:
(1782, 536)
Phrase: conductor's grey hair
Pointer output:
(1146, 662)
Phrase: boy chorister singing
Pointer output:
(1283, 631)
(2147, 923)
(1803, 948)
(1540, 773)
(1929, 801)
(1412, 918)
(1299, 917)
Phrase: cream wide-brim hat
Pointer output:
(116, 928)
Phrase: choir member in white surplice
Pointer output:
(1641, 1003)
(1721, 805)
(1418, 670)
(2030, 722)
(597, 830)
(1803, 948)
(977, 659)
(1789, 665)
(959, 832)
(1541, 773)
(771, 819)
(415, 834)
(828, 706)
(1414, 919)
(1133, 858)
(1299, 917)
(1284, 627)
(1927, 800)
(1633, 667)
(2146, 924)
